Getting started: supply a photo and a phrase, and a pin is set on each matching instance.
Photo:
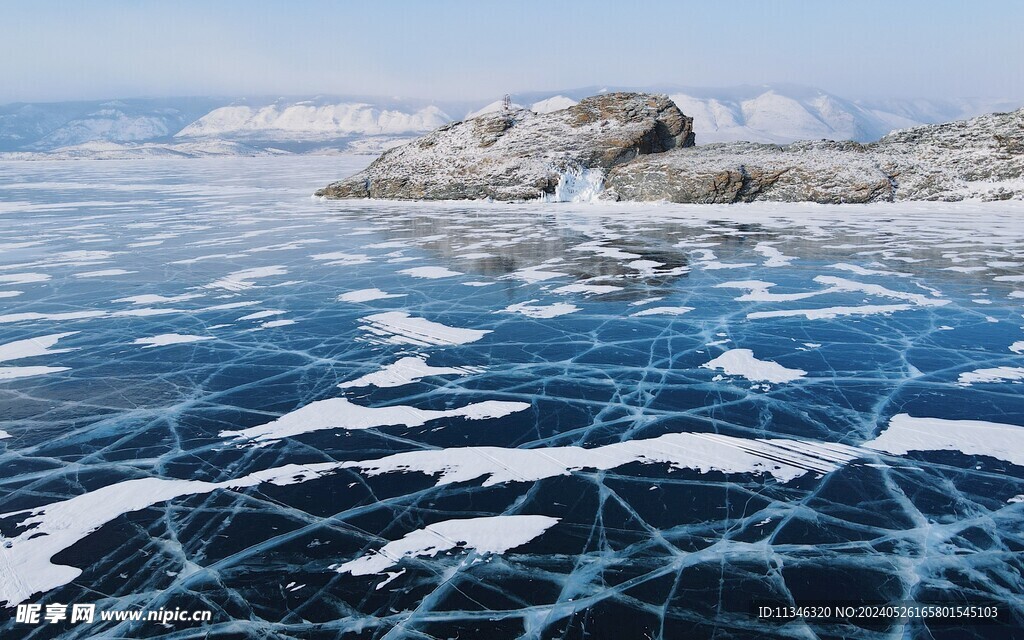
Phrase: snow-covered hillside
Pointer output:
(783, 114)
(775, 117)
(306, 119)
(547, 105)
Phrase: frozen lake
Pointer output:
(506, 421)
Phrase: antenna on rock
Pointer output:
(506, 104)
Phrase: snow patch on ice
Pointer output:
(741, 362)
(663, 311)
(534, 274)
(398, 327)
(340, 413)
(241, 280)
(31, 347)
(24, 278)
(165, 339)
(10, 373)
(31, 315)
(995, 374)
(366, 295)
(103, 273)
(587, 289)
(487, 535)
(775, 258)
(405, 371)
(784, 459)
(263, 314)
(972, 437)
(55, 527)
(157, 299)
(542, 311)
(829, 313)
(430, 273)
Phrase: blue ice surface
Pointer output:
(640, 550)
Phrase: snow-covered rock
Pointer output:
(518, 154)
(978, 158)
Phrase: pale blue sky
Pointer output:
(60, 50)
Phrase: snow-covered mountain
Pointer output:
(332, 124)
(781, 113)
(48, 126)
(786, 113)
(308, 120)
(547, 105)
(774, 116)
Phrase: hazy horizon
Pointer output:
(459, 51)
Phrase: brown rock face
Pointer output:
(521, 155)
(824, 172)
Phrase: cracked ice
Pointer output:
(470, 419)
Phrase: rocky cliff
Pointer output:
(642, 147)
(521, 155)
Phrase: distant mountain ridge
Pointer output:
(364, 124)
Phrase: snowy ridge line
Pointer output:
(305, 119)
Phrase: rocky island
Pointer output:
(640, 147)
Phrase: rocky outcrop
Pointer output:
(642, 147)
(519, 154)
(979, 158)
(828, 172)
